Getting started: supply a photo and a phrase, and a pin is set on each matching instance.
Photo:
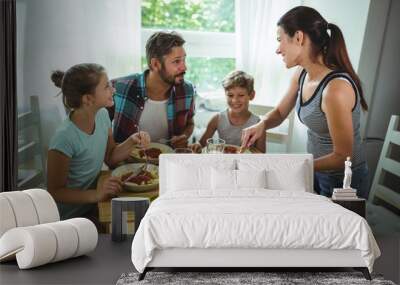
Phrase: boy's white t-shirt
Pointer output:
(154, 119)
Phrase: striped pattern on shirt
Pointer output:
(319, 141)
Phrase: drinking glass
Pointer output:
(215, 145)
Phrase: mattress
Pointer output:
(250, 219)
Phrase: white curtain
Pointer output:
(256, 45)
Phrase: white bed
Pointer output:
(254, 210)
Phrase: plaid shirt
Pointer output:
(129, 99)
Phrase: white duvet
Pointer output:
(253, 218)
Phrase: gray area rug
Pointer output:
(230, 278)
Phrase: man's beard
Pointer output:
(170, 79)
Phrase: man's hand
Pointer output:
(179, 141)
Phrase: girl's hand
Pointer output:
(141, 138)
(110, 188)
(251, 134)
(196, 147)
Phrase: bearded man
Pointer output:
(159, 100)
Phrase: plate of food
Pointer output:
(137, 179)
(152, 152)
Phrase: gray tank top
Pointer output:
(319, 142)
(232, 134)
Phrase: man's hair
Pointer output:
(238, 78)
(160, 44)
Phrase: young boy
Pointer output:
(239, 90)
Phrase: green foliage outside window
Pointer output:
(195, 15)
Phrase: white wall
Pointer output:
(351, 17)
(56, 34)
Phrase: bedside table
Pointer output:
(356, 205)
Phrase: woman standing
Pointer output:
(327, 95)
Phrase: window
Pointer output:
(208, 28)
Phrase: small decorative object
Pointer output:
(346, 192)
(347, 174)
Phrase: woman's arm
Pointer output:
(275, 117)
(211, 128)
(261, 143)
(338, 100)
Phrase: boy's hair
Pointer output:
(160, 44)
(77, 81)
(238, 78)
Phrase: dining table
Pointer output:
(104, 207)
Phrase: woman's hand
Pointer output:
(110, 188)
(251, 134)
(141, 138)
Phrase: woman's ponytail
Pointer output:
(326, 38)
(335, 56)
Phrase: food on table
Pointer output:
(144, 177)
(126, 175)
(231, 149)
(152, 152)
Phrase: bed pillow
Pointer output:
(281, 174)
(189, 176)
(280, 180)
(251, 178)
(223, 179)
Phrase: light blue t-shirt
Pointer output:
(86, 153)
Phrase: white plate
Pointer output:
(134, 167)
(163, 147)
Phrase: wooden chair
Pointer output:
(31, 164)
(279, 135)
(385, 186)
